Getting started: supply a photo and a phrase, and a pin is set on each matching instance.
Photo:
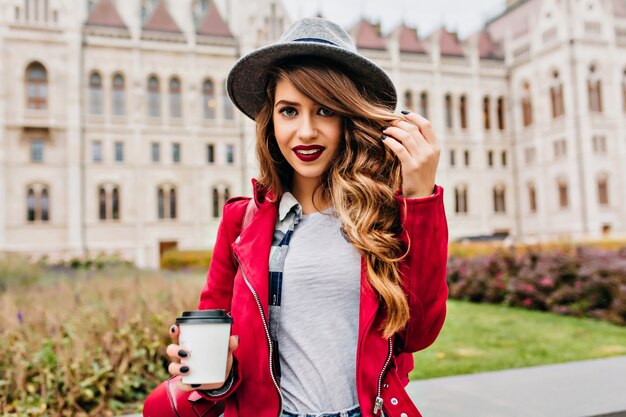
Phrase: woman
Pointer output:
(339, 276)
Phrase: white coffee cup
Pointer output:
(204, 335)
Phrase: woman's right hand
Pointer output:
(177, 352)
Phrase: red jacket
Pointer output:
(238, 282)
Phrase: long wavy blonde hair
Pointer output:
(360, 181)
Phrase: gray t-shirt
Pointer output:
(319, 318)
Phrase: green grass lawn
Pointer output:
(482, 337)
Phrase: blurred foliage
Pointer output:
(579, 280)
(91, 344)
(177, 260)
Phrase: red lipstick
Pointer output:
(308, 153)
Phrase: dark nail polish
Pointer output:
(383, 137)
(184, 369)
(173, 329)
(195, 385)
(405, 112)
(237, 336)
(182, 353)
(383, 128)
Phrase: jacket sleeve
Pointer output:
(218, 290)
(425, 233)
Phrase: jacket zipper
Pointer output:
(267, 333)
(378, 403)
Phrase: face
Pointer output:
(308, 134)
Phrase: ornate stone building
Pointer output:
(117, 136)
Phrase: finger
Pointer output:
(424, 126)
(174, 332)
(177, 369)
(233, 342)
(186, 387)
(176, 352)
(399, 149)
(408, 134)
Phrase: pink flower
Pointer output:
(527, 302)
(546, 282)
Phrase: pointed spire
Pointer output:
(161, 20)
(449, 43)
(212, 24)
(105, 14)
(487, 48)
(368, 36)
(409, 41)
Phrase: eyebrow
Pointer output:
(290, 103)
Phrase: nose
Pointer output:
(307, 128)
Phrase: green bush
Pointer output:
(176, 260)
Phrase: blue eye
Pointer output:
(326, 112)
(288, 111)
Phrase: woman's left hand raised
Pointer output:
(413, 140)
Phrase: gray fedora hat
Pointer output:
(314, 37)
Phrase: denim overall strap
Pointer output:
(280, 243)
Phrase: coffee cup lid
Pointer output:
(204, 316)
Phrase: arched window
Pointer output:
(95, 93)
(603, 190)
(562, 193)
(486, 115)
(172, 203)
(115, 206)
(594, 90)
(463, 112)
(527, 107)
(37, 203)
(500, 106)
(408, 100)
(460, 199)
(161, 203)
(45, 205)
(532, 198)
(499, 199)
(36, 87)
(208, 99)
(448, 111)
(175, 102)
(31, 205)
(227, 106)
(102, 203)
(166, 202)
(154, 97)
(216, 203)
(219, 195)
(424, 104)
(118, 96)
(556, 95)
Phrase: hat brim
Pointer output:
(245, 82)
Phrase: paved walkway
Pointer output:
(589, 388)
(592, 388)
